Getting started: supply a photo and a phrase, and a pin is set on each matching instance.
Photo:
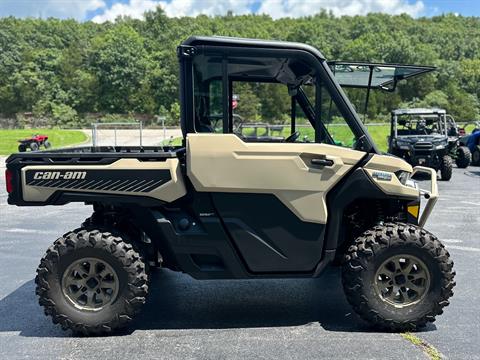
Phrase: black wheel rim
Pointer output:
(402, 280)
(90, 284)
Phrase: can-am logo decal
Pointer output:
(53, 175)
(380, 175)
(123, 180)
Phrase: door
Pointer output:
(267, 156)
(271, 196)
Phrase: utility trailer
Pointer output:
(224, 206)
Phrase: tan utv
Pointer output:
(229, 205)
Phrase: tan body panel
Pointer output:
(224, 163)
(390, 164)
(168, 191)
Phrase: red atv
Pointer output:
(33, 143)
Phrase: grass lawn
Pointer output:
(341, 134)
(58, 138)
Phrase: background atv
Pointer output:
(458, 151)
(472, 142)
(33, 143)
(420, 136)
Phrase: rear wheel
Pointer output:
(33, 146)
(398, 277)
(464, 157)
(446, 168)
(91, 282)
(22, 148)
(476, 157)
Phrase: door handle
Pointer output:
(322, 162)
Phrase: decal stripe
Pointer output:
(121, 180)
(134, 186)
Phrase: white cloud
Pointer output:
(79, 9)
(175, 8)
(134, 9)
(298, 8)
(76, 9)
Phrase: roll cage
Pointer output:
(293, 64)
(431, 117)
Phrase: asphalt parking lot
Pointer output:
(268, 319)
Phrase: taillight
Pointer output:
(9, 180)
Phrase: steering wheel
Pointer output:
(292, 137)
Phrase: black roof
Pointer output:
(244, 42)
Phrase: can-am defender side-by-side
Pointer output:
(422, 137)
(223, 206)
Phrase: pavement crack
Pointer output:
(428, 349)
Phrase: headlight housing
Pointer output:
(404, 178)
(404, 145)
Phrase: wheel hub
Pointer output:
(90, 284)
(402, 280)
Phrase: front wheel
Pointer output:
(446, 168)
(464, 157)
(476, 156)
(47, 144)
(398, 276)
(91, 282)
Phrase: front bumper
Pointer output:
(431, 196)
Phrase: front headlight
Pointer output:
(411, 183)
(403, 145)
(404, 178)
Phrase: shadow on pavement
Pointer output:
(177, 301)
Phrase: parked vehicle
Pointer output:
(472, 142)
(34, 143)
(227, 207)
(423, 137)
(459, 152)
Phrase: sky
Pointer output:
(107, 10)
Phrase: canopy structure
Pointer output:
(374, 75)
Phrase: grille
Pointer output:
(423, 145)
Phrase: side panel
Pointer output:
(224, 163)
(267, 235)
(160, 180)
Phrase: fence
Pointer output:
(108, 128)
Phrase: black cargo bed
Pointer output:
(96, 155)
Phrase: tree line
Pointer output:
(67, 72)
